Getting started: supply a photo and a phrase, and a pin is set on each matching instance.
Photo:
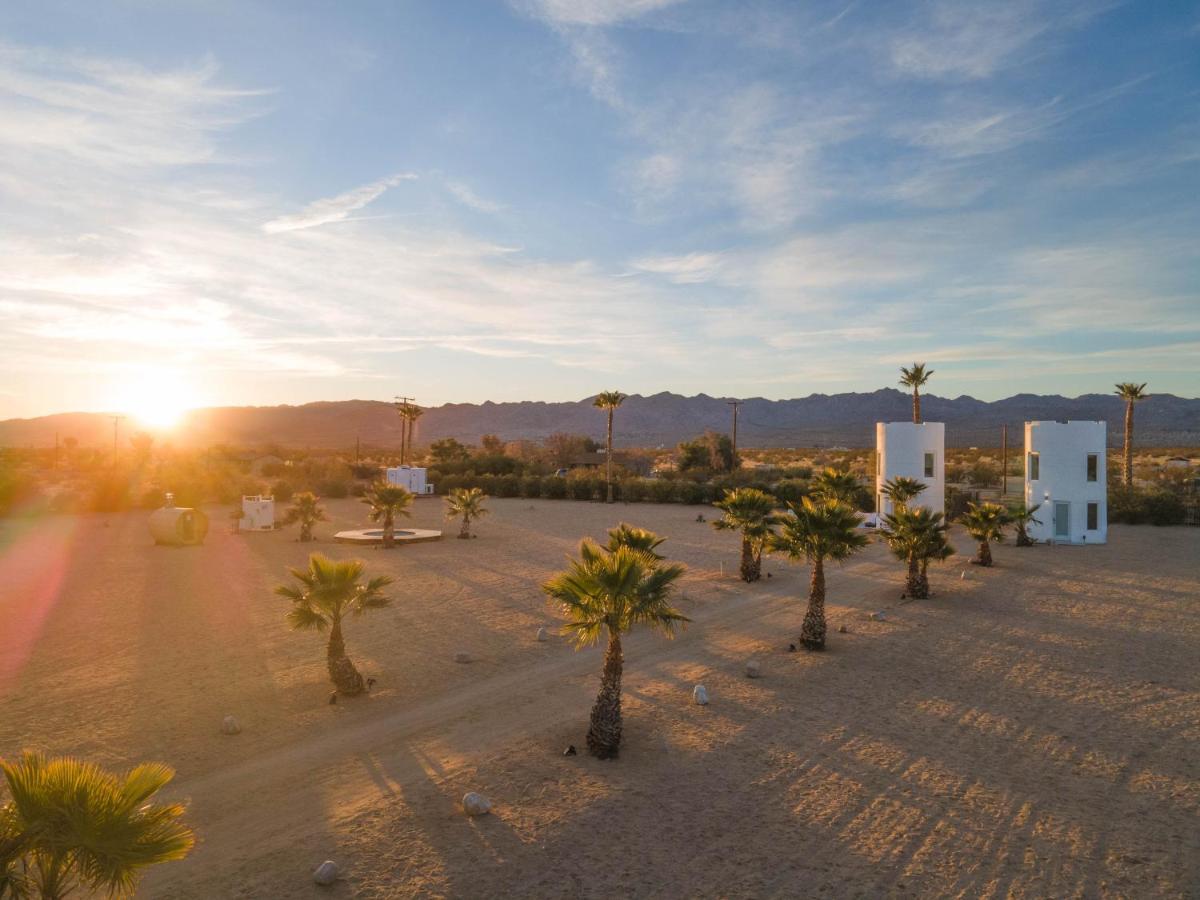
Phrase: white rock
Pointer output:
(462, 657)
(877, 616)
(753, 669)
(541, 634)
(326, 873)
(476, 804)
(229, 725)
(700, 695)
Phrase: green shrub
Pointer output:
(531, 486)
(661, 490)
(633, 490)
(1135, 506)
(507, 486)
(790, 490)
(553, 487)
(282, 490)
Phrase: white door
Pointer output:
(1062, 520)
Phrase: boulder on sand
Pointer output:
(700, 695)
(753, 669)
(229, 725)
(461, 657)
(326, 873)
(541, 633)
(476, 804)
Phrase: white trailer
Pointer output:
(1065, 472)
(411, 478)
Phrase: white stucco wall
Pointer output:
(900, 449)
(410, 477)
(258, 514)
(1062, 449)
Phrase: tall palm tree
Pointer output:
(607, 593)
(817, 530)
(307, 510)
(985, 522)
(625, 535)
(411, 412)
(72, 825)
(837, 484)
(466, 503)
(608, 400)
(328, 591)
(387, 501)
(752, 512)
(1131, 393)
(916, 536)
(901, 489)
(915, 378)
(1022, 516)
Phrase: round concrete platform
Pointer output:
(375, 536)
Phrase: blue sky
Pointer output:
(257, 203)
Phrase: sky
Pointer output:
(252, 203)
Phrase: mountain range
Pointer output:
(664, 419)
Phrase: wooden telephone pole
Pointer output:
(1003, 460)
(735, 404)
(116, 424)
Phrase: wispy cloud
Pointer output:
(335, 209)
(591, 12)
(465, 195)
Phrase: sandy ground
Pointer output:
(1031, 731)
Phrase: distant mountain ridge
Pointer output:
(660, 419)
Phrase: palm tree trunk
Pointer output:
(914, 586)
(916, 405)
(1128, 467)
(389, 530)
(1023, 536)
(608, 457)
(751, 567)
(305, 532)
(604, 733)
(812, 633)
(985, 554)
(342, 673)
(465, 531)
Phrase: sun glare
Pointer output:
(156, 398)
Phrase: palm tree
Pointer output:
(752, 512)
(900, 490)
(817, 530)
(608, 400)
(1131, 393)
(985, 522)
(1022, 516)
(72, 825)
(411, 412)
(388, 501)
(327, 592)
(837, 484)
(625, 535)
(915, 378)
(607, 593)
(916, 536)
(305, 509)
(467, 503)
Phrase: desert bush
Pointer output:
(660, 490)
(553, 487)
(508, 486)
(333, 488)
(790, 490)
(632, 490)
(1137, 506)
(583, 488)
(282, 490)
(531, 486)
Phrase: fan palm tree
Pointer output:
(1131, 393)
(328, 591)
(70, 825)
(985, 522)
(307, 510)
(837, 484)
(625, 535)
(916, 536)
(466, 503)
(752, 512)
(605, 594)
(915, 378)
(387, 501)
(817, 530)
(411, 413)
(608, 400)
(1021, 517)
(900, 490)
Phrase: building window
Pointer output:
(928, 465)
(1093, 466)
(1093, 516)
(1034, 467)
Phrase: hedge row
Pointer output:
(627, 490)
(1135, 506)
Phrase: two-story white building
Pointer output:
(1065, 472)
(258, 514)
(911, 450)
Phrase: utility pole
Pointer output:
(116, 423)
(1003, 460)
(401, 405)
(735, 404)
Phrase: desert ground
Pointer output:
(1031, 731)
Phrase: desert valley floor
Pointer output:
(1032, 730)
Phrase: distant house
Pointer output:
(1178, 462)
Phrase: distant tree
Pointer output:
(491, 444)
(71, 825)
(448, 450)
(307, 510)
(564, 448)
(143, 445)
(327, 592)
(817, 530)
(752, 512)
(1022, 516)
(712, 452)
(917, 536)
(985, 522)
(387, 501)
(625, 535)
(1131, 393)
(901, 489)
(915, 378)
(608, 401)
(467, 504)
(608, 593)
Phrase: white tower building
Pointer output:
(258, 514)
(912, 450)
(1065, 472)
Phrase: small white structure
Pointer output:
(1065, 472)
(911, 450)
(258, 514)
(410, 477)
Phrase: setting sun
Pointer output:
(156, 398)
